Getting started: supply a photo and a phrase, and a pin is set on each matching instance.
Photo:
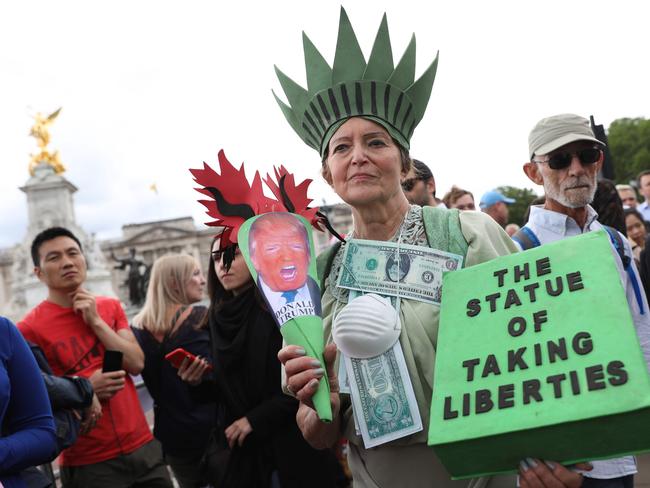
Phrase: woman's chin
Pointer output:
(363, 197)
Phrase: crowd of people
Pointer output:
(233, 405)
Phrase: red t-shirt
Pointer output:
(72, 348)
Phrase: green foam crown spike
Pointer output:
(351, 87)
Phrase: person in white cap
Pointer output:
(565, 158)
(495, 204)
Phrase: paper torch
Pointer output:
(275, 238)
(278, 249)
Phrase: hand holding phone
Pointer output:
(112, 361)
(177, 356)
(107, 384)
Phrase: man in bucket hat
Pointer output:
(565, 157)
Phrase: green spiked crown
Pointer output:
(376, 90)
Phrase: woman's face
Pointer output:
(238, 277)
(635, 230)
(466, 202)
(195, 286)
(364, 163)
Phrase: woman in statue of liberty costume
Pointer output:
(360, 116)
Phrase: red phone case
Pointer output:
(177, 355)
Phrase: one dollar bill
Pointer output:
(407, 271)
(382, 395)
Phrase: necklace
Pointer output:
(338, 293)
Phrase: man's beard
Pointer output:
(422, 198)
(568, 195)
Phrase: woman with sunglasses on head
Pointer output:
(170, 319)
(266, 447)
(362, 131)
(459, 198)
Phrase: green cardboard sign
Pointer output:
(538, 356)
(279, 250)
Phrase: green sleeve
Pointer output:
(485, 238)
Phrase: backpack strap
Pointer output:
(617, 242)
(324, 264)
(526, 238)
(442, 227)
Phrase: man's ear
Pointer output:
(532, 171)
(431, 186)
(38, 273)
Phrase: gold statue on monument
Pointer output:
(39, 131)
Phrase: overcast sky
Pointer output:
(152, 88)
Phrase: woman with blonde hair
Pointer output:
(169, 320)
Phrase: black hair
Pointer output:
(607, 204)
(421, 170)
(635, 212)
(48, 235)
(536, 201)
(218, 295)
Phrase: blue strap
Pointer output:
(617, 241)
(637, 288)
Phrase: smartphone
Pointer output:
(177, 355)
(112, 361)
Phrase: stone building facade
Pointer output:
(151, 240)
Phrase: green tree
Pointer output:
(629, 145)
(523, 197)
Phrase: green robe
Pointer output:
(409, 462)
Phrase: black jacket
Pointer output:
(67, 393)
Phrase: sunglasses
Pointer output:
(407, 185)
(563, 160)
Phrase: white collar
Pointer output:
(557, 222)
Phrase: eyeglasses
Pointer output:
(407, 185)
(563, 160)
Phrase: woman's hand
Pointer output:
(534, 473)
(192, 371)
(303, 374)
(237, 432)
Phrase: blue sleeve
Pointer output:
(28, 435)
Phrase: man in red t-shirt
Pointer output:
(74, 329)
